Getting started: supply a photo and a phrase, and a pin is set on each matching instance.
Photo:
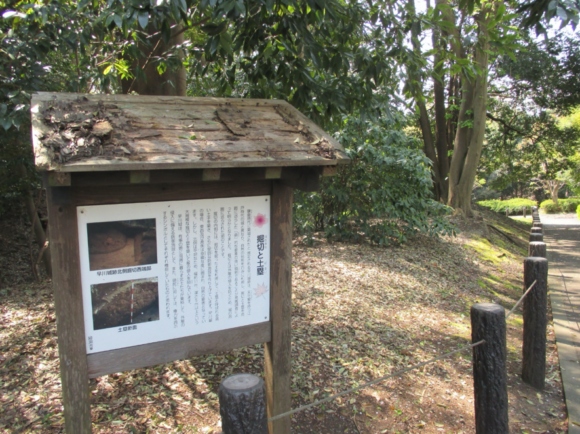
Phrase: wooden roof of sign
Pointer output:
(87, 133)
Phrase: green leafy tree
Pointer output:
(383, 196)
(527, 138)
(465, 38)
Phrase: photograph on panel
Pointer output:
(125, 243)
(125, 304)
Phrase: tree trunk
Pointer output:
(469, 141)
(429, 147)
(554, 187)
(172, 82)
(441, 142)
(39, 233)
(429, 150)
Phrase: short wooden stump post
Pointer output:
(538, 224)
(536, 237)
(535, 322)
(243, 405)
(538, 249)
(489, 368)
(536, 230)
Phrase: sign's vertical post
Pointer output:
(277, 366)
(66, 280)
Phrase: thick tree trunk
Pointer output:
(469, 141)
(442, 140)
(172, 82)
(429, 146)
(554, 188)
(429, 149)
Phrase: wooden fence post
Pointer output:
(537, 248)
(536, 230)
(535, 322)
(489, 368)
(243, 405)
(536, 237)
(538, 225)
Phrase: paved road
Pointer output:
(562, 235)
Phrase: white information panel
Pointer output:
(164, 270)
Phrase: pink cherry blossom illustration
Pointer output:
(260, 290)
(260, 220)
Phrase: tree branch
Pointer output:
(505, 124)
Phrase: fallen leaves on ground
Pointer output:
(359, 312)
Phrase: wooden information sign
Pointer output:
(170, 226)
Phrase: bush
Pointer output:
(564, 205)
(511, 206)
(578, 212)
(569, 205)
(549, 207)
(383, 196)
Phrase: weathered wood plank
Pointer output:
(193, 112)
(156, 99)
(179, 143)
(180, 176)
(287, 109)
(101, 195)
(66, 281)
(205, 125)
(200, 160)
(277, 354)
(73, 132)
(155, 353)
(267, 130)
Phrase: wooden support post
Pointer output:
(535, 322)
(489, 368)
(140, 177)
(329, 170)
(538, 225)
(536, 230)
(273, 172)
(58, 179)
(66, 281)
(243, 405)
(536, 237)
(537, 248)
(277, 364)
(211, 174)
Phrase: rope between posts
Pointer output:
(396, 374)
(521, 299)
(370, 383)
